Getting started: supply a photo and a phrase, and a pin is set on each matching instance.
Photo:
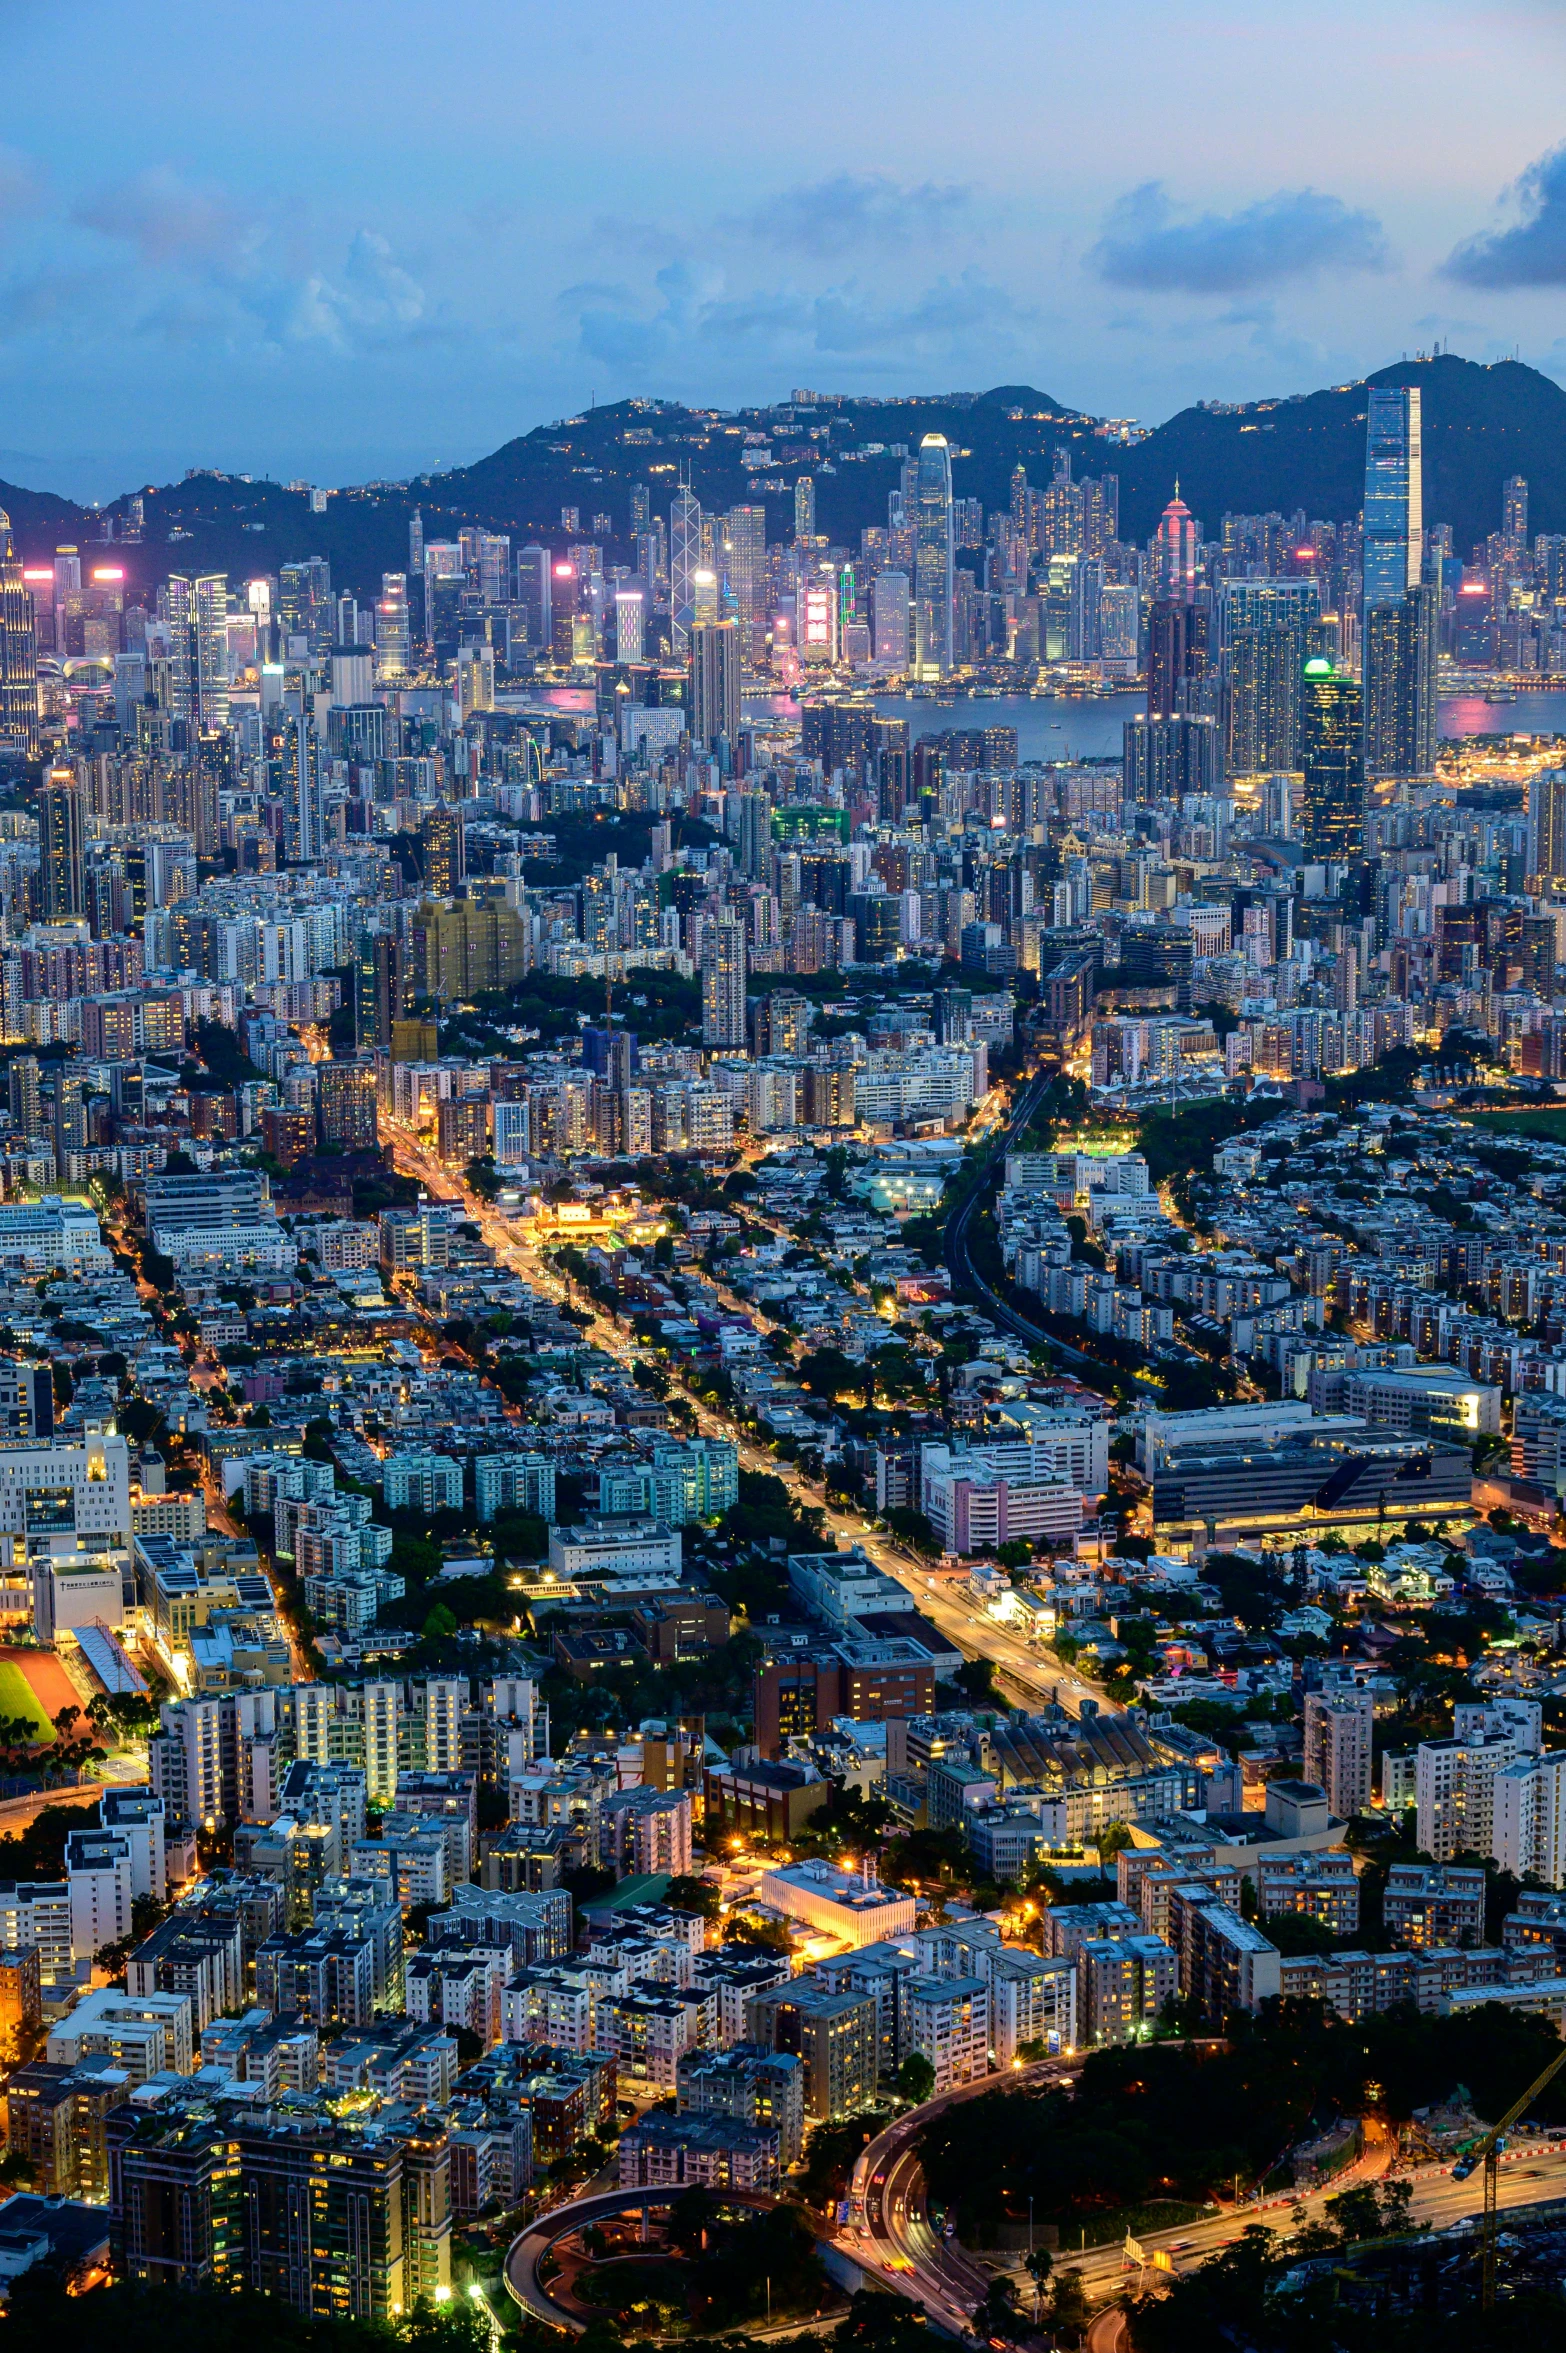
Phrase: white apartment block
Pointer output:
(948, 2023)
(1454, 1793)
(1528, 1827)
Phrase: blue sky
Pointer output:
(349, 240)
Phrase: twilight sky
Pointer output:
(363, 237)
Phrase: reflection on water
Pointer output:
(1075, 727)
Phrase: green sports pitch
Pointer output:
(18, 1698)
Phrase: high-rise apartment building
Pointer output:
(1338, 1729)
(61, 830)
(933, 559)
(723, 973)
(1547, 825)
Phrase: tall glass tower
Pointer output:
(684, 563)
(1398, 621)
(933, 559)
(1394, 494)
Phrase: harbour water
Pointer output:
(1087, 727)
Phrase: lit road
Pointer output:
(1022, 1670)
(890, 2236)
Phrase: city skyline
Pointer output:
(271, 281)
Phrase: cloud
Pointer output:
(1282, 236)
(835, 216)
(1533, 251)
(232, 276)
(167, 220)
(19, 191)
(696, 320)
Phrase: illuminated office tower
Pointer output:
(179, 604)
(805, 507)
(1547, 826)
(1174, 553)
(933, 557)
(475, 680)
(415, 541)
(534, 565)
(723, 982)
(684, 564)
(393, 641)
(1398, 619)
(704, 599)
(563, 587)
(745, 568)
(889, 606)
(61, 831)
(494, 566)
(1514, 511)
(212, 650)
(18, 652)
(445, 579)
(715, 683)
(1332, 758)
(630, 633)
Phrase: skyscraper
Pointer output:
(392, 638)
(197, 612)
(301, 789)
(1332, 758)
(715, 683)
(61, 831)
(1398, 622)
(444, 843)
(684, 563)
(533, 592)
(1174, 553)
(1400, 684)
(1177, 657)
(745, 570)
(1394, 494)
(211, 619)
(380, 994)
(933, 559)
(18, 652)
(1547, 825)
(723, 982)
(805, 507)
(630, 629)
(1264, 628)
(1514, 510)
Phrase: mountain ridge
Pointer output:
(1298, 452)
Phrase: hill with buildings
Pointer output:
(1302, 454)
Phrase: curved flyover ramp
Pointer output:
(528, 2249)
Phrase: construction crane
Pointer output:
(1487, 2152)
